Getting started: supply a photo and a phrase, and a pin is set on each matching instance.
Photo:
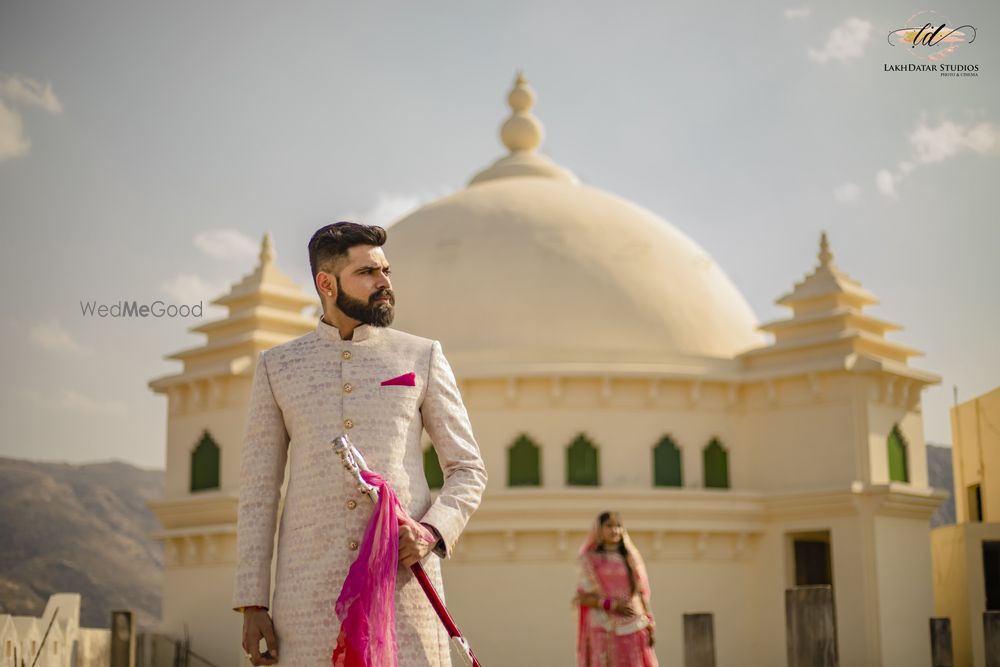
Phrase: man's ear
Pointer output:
(326, 284)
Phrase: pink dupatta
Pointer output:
(366, 606)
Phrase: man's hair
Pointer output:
(332, 242)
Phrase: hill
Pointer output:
(82, 529)
(939, 475)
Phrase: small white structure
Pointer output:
(56, 637)
(9, 645)
(28, 638)
(60, 644)
(52, 651)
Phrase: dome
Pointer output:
(527, 267)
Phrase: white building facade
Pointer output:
(607, 363)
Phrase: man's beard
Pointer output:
(375, 313)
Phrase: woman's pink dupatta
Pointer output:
(366, 606)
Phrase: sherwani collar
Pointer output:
(330, 332)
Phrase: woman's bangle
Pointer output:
(606, 604)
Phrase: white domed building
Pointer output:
(608, 363)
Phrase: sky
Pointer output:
(146, 148)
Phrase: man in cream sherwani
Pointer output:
(383, 387)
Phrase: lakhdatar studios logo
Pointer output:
(931, 38)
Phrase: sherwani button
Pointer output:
(352, 545)
(348, 423)
(346, 354)
(348, 388)
(352, 504)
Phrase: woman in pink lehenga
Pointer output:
(616, 626)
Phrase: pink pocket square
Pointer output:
(404, 380)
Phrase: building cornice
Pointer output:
(196, 511)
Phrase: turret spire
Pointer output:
(825, 256)
(266, 249)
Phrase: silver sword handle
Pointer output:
(349, 457)
(359, 459)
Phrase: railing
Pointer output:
(156, 650)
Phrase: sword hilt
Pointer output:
(354, 463)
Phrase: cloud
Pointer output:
(20, 90)
(52, 336)
(219, 244)
(844, 42)
(934, 144)
(13, 141)
(70, 400)
(74, 401)
(188, 288)
(389, 208)
(226, 244)
(30, 93)
(848, 193)
(886, 183)
(792, 13)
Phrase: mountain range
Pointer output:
(80, 529)
(939, 475)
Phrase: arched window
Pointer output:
(205, 464)
(667, 463)
(523, 463)
(899, 471)
(716, 463)
(432, 468)
(582, 467)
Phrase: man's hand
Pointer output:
(415, 540)
(256, 626)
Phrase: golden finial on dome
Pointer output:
(825, 256)
(266, 249)
(522, 131)
(522, 134)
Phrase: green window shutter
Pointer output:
(523, 463)
(898, 469)
(716, 461)
(432, 468)
(582, 463)
(205, 464)
(667, 463)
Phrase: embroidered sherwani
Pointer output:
(306, 392)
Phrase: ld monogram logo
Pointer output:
(930, 37)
